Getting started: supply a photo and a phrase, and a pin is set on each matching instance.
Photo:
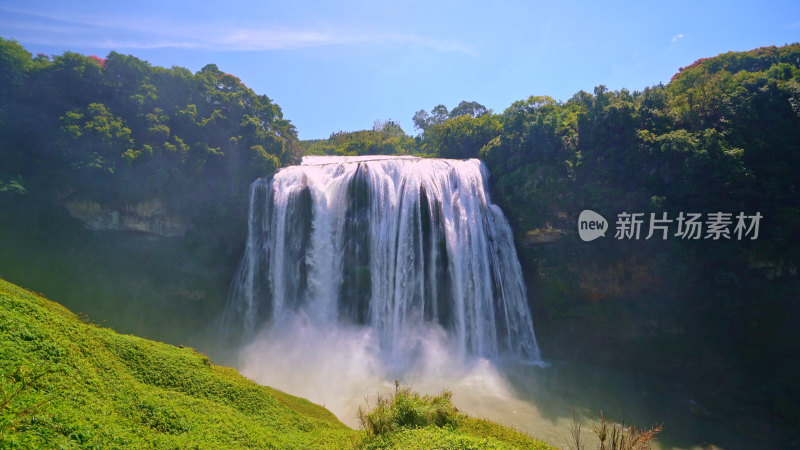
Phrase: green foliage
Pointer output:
(411, 420)
(15, 61)
(407, 409)
(460, 133)
(441, 438)
(120, 131)
(470, 433)
(535, 157)
(461, 137)
(97, 137)
(13, 186)
(386, 138)
(439, 114)
(16, 403)
(102, 389)
(725, 132)
(491, 431)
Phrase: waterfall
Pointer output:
(387, 243)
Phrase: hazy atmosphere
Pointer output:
(399, 225)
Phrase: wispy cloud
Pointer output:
(676, 37)
(279, 39)
(113, 33)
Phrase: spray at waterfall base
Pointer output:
(362, 270)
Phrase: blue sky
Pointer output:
(342, 65)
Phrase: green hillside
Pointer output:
(67, 383)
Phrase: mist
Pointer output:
(343, 367)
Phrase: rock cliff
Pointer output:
(150, 217)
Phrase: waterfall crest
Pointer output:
(389, 243)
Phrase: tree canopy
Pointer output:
(385, 138)
(118, 131)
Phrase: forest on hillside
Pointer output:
(117, 130)
(722, 136)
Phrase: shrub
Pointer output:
(407, 409)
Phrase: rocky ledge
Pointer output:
(147, 217)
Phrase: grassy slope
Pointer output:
(108, 389)
(72, 384)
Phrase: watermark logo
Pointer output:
(591, 225)
(687, 226)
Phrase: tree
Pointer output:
(15, 62)
(473, 109)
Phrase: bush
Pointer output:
(407, 409)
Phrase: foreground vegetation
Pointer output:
(73, 383)
(67, 383)
(407, 419)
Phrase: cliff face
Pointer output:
(147, 217)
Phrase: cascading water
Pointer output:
(388, 243)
